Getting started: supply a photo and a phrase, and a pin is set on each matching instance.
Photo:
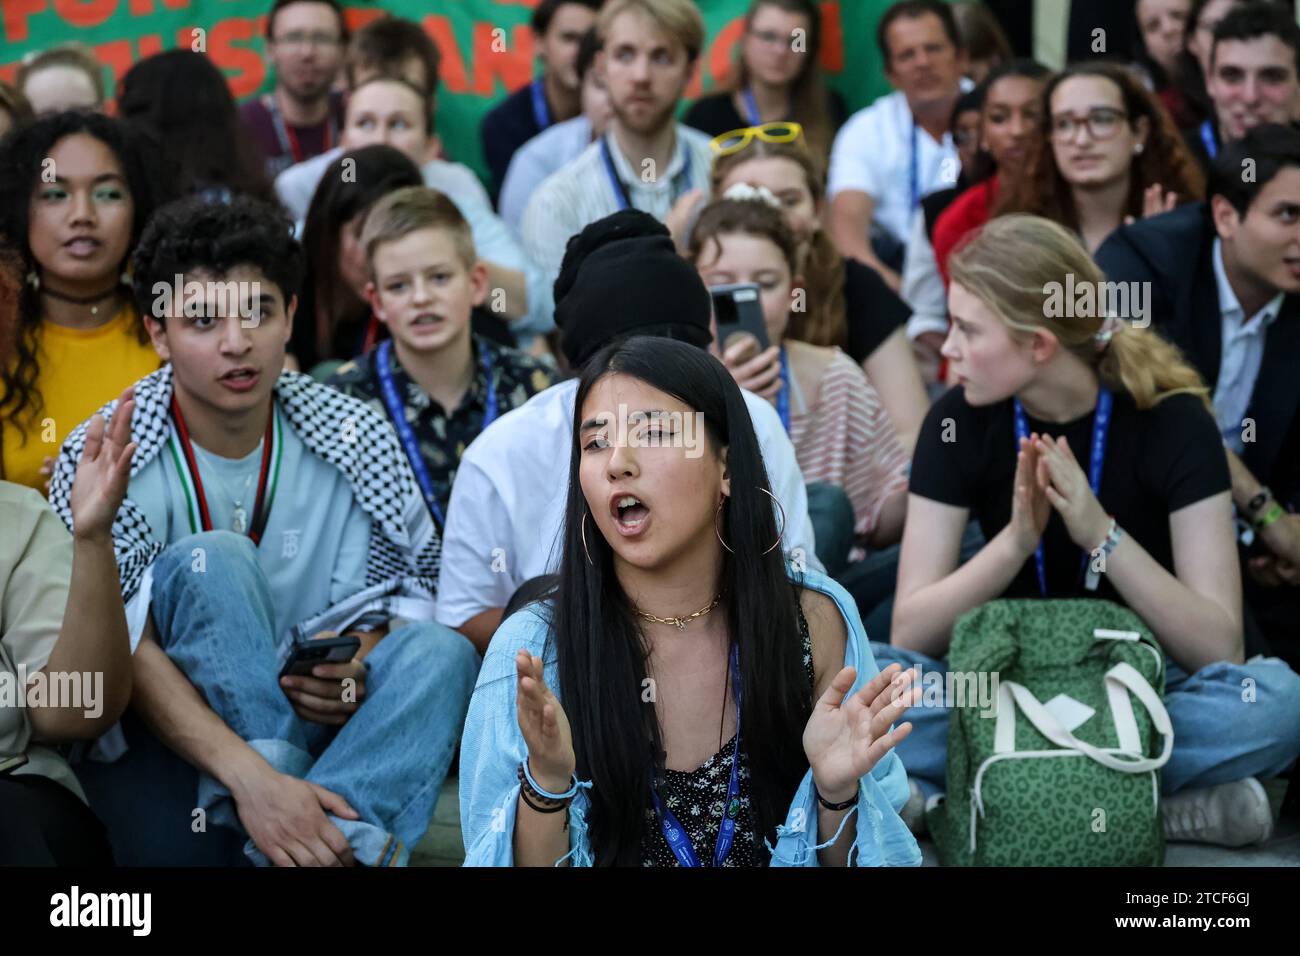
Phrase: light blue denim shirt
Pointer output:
(492, 748)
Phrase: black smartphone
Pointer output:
(739, 311)
(321, 650)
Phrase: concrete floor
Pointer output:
(441, 845)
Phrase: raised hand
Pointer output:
(1068, 491)
(551, 760)
(1154, 202)
(1030, 507)
(103, 471)
(845, 738)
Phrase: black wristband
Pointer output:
(835, 806)
(1258, 502)
(555, 809)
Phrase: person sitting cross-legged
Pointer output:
(259, 501)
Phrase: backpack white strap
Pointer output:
(1012, 695)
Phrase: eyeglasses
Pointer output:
(738, 139)
(306, 39)
(1102, 123)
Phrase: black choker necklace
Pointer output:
(79, 299)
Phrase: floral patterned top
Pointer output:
(696, 799)
(443, 437)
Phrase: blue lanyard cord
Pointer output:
(751, 107)
(541, 112)
(1097, 455)
(915, 175)
(397, 413)
(783, 396)
(674, 833)
(621, 195)
(1207, 137)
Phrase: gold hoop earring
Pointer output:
(716, 530)
(584, 540)
(781, 532)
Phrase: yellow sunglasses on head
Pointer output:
(738, 139)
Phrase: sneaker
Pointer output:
(1231, 814)
(913, 812)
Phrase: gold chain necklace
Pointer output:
(680, 622)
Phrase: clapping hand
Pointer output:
(551, 760)
(846, 737)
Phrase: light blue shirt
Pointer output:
(535, 160)
(313, 551)
(493, 747)
(1242, 353)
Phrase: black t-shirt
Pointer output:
(505, 128)
(1157, 461)
(716, 114)
(872, 309)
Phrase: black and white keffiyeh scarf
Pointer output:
(343, 431)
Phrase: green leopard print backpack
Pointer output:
(1064, 769)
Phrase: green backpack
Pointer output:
(1063, 771)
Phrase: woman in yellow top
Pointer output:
(75, 192)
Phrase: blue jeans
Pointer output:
(388, 761)
(1218, 736)
(831, 514)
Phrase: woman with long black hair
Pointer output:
(683, 697)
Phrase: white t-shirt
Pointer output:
(507, 505)
(873, 153)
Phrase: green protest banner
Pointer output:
(486, 45)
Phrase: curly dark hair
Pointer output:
(1043, 191)
(22, 154)
(192, 234)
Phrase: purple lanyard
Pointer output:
(674, 833)
(1097, 455)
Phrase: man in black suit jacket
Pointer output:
(1225, 287)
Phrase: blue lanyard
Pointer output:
(783, 396)
(1100, 426)
(1207, 137)
(751, 107)
(541, 112)
(678, 840)
(397, 413)
(915, 173)
(620, 189)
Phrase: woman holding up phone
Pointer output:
(683, 697)
(841, 431)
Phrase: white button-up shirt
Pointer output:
(1242, 354)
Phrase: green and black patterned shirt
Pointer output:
(443, 437)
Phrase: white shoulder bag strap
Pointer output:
(1120, 680)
